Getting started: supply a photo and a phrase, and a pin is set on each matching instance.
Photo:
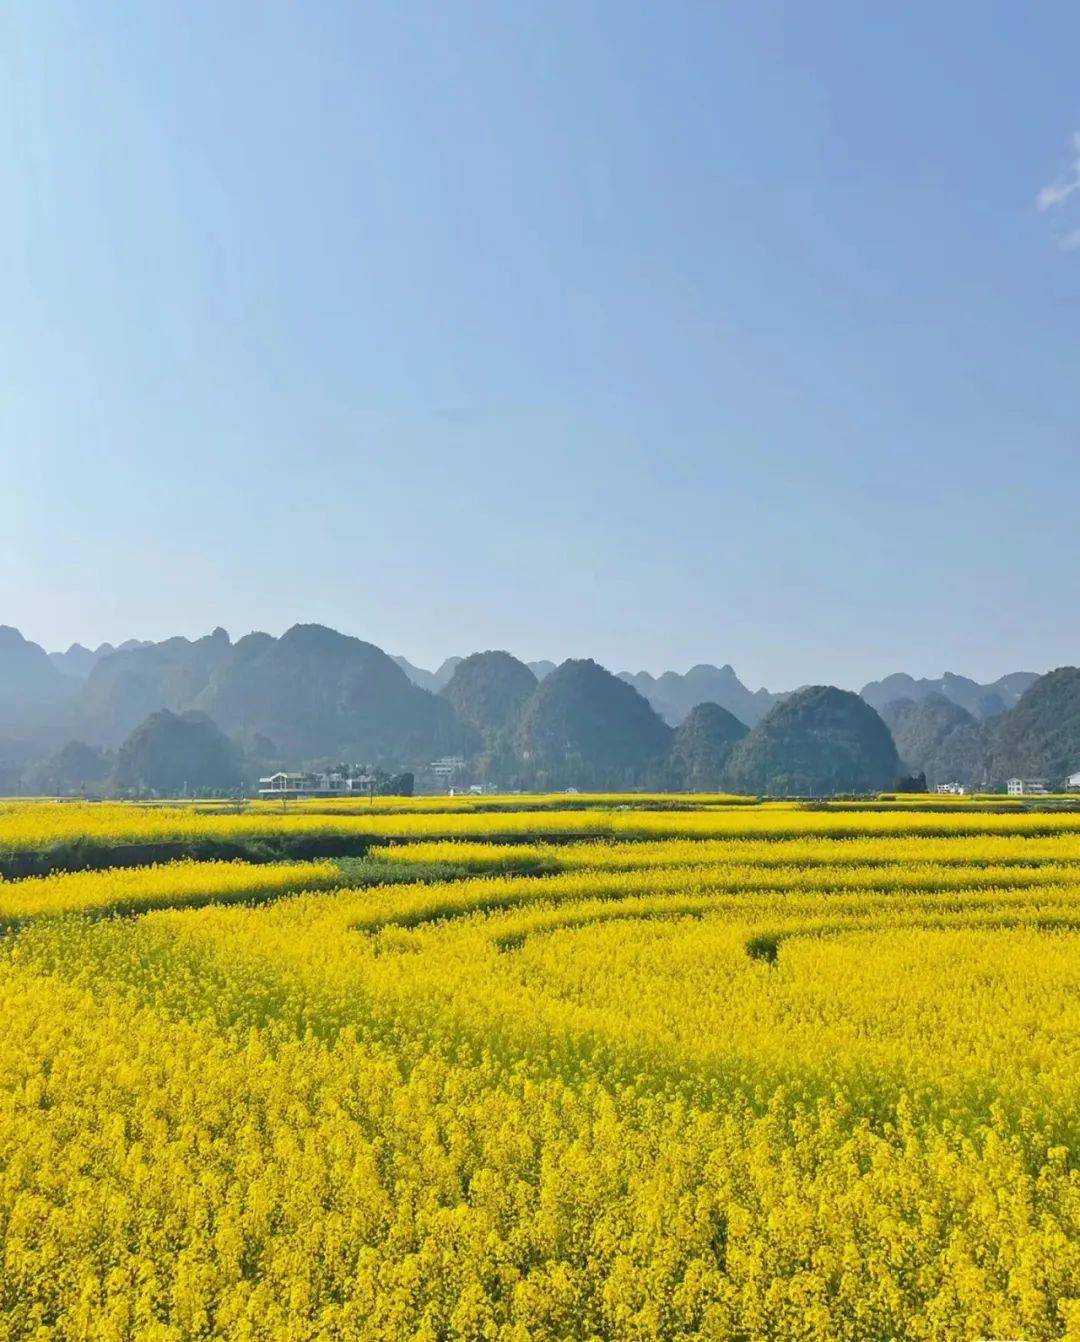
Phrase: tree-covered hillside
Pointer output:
(124, 688)
(701, 747)
(1040, 737)
(584, 727)
(173, 754)
(315, 693)
(817, 742)
(937, 737)
(488, 691)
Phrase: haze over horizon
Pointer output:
(659, 336)
(633, 667)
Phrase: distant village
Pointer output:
(1016, 787)
(440, 775)
(446, 774)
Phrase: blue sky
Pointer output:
(657, 333)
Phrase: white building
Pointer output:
(286, 785)
(1026, 787)
(447, 768)
(953, 789)
(1072, 783)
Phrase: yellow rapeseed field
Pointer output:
(35, 826)
(174, 885)
(745, 1072)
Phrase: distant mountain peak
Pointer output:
(674, 695)
(29, 682)
(818, 741)
(583, 723)
(432, 681)
(981, 701)
(11, 637)
(488, 690)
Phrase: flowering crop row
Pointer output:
(804, 1086)
(174, 884)
(29, 827)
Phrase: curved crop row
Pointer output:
(760, 1074)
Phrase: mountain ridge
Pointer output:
(981, 701)
(315, 694)
(78, 661)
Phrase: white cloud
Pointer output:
(1059, 192)
(1050, 196)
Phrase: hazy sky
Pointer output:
(660, 333)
